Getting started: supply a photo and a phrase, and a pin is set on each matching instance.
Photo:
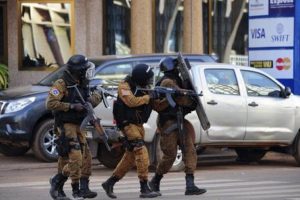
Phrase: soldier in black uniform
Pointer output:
(131, 110)
(74, 154)
(167, 118)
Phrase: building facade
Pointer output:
(37, 36)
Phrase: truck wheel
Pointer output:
(109, 159)
(297, 150)
(178, 164)
(248, 155)
(43, 145)
(12, 150)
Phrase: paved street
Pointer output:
(275, 177)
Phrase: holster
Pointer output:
(62, 142)
(129, 145)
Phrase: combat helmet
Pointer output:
(142, 74)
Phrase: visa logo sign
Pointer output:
(258, 33)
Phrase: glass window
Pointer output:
(168, 25)
(221, 81)
(114, 73)
(116, 27)
(3, 40)
(260, 85)
(46, 34)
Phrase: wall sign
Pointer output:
(273, 39)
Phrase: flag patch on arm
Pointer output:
(54, 91)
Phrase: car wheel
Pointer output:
(247, 155)
(12, 150)
(178, 164)
(297, 150)
(43, 146)
(109, 159)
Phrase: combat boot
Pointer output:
(108, 186)
(85, 191)
(146, 192)
(57, 183)
(155, 183)
(76, 191)
(61, 194)
(191, 188)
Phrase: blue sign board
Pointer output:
(274, 34)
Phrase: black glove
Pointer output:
(154, 95)
(77, 107)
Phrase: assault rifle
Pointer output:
(170, 92)
(91, 116)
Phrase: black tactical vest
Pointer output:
(72, 116)
(125, 115)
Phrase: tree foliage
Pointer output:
(3, 76)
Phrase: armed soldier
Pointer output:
(169, 125)
(131, 110)
(74, 155)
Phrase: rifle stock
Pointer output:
(91, 117)
(102, 134)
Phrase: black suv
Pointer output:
(26, 123)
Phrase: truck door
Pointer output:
(270, 116)
(225, 106)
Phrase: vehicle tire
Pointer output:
(43, 145)
(109, 159)
(297, 150)
(12, 150)
(247, 155)
(178, 164)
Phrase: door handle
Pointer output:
(212, 102)
(253, 104)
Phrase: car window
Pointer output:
(114, 73)
(154, 65)
(260, 85)
(52, 77)
(221, 81)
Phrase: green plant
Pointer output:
(3, 76)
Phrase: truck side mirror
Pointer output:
(286, 92)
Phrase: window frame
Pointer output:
(20, 36)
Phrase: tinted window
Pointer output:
(260, 85)
(221, 81)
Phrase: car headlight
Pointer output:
(19, 104)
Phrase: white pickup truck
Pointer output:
(248, 110)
